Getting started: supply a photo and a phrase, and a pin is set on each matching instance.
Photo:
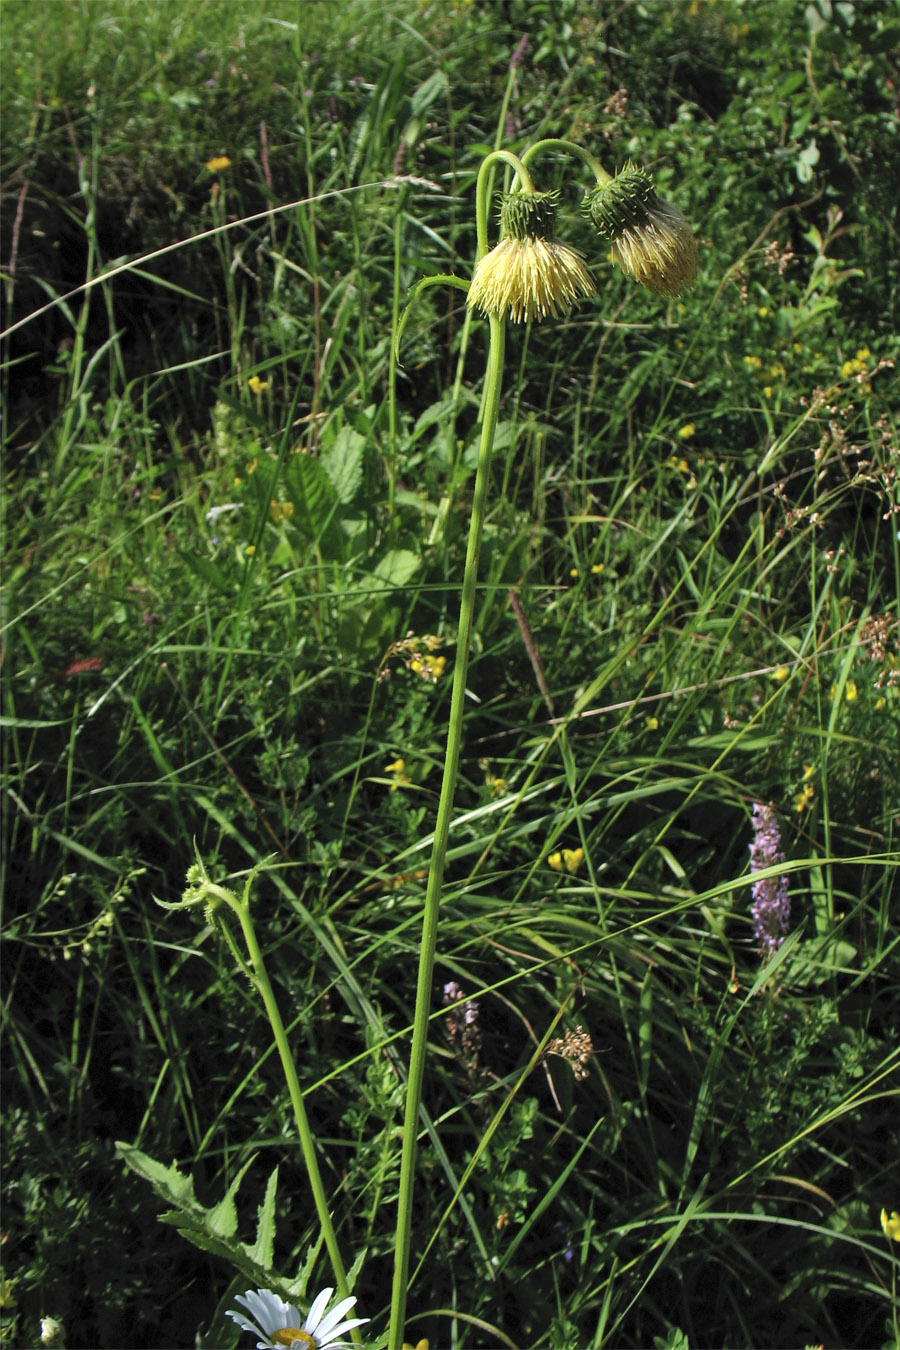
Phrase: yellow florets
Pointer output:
(529, 279)
(650, 239)
(568, 858)
(529, 274)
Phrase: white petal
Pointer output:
(331, 1343)
(314, 1316)
(271, 1312)
(243, 1323)
(326, 1326)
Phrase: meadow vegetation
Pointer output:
(235, 528)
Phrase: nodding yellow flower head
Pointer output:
(651, 240)
(891, 1225)
(529, 274)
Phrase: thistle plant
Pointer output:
(528, 276)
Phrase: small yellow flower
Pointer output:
(754, 361)
(597, 568)
(850, 691)
(652, 723)
(687, 431)
(529, 274)
(398, 772)
(803, 798)
(281, 510)
(569, 859)
(419, 1345)
(257, 386)
(573, 571)
(891, 1225)
(780, 673)
(430, 668)
(218, 163)
(573, 858)
(250, 550)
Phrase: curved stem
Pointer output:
(569, 147)
(441, 835)
(482, 194)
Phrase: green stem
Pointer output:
(392, 369)
(570, 148)
(483, 190)
(441, 835)
(307, 1142)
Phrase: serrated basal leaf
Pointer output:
(222, 1218)
(173, 1186)
(261, 1250)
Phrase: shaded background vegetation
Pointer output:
(696, 505)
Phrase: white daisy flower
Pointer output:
(278, 1323)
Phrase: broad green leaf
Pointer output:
(343, 462)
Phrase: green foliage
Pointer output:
(213, 1228)
(230, 527)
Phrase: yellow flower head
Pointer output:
(569, 858)
(218, 163)
(529, 274)
(651, 240)
(400, 777)
(430, 668)
(891, 1225)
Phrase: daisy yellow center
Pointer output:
(290, 1335)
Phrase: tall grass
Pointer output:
(225, 508)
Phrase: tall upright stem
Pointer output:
(441, 836)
